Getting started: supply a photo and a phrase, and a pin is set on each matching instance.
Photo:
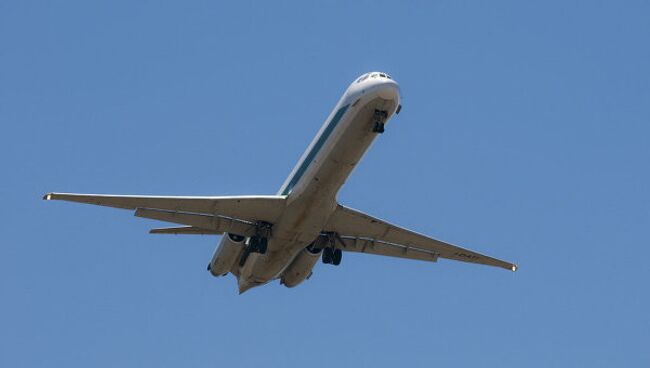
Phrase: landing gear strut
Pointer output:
(257, 243)
(379, 119)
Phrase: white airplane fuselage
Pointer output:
(312, 186)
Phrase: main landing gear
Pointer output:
(257, 243)
(379, 119)
(332, 256)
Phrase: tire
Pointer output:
(244, 256)
(255, 244)
(337, 256)
(327, 256)
(262, 245)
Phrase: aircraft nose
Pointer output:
(389, 91)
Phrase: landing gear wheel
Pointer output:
(328, 256)
(262, 245)
(244, 256)
(379, 127)
(337, 256)
(258, 244)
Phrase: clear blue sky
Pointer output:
(525, 134)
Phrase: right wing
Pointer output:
(236, 214)
(358, 232)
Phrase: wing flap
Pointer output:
(371, 246)
(214, 223)
(353, 224)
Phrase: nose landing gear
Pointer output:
(379, 119)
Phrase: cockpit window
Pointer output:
(363, 77)
(374, 75)
(382, 75)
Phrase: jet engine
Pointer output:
(300, 269)
(227, 254)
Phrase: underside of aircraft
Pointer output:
(283, 236)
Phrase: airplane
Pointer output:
(282, 236)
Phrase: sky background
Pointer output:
(524, 134)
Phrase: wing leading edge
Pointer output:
(184, 230)
(359, 232)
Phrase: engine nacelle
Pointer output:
(300, 268)
(227, 254)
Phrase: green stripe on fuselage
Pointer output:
(314, 150)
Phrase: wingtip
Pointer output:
(47, 197)
(514, 268)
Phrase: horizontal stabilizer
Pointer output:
(184, 230)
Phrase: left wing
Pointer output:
(236, 214)
(358, 232)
